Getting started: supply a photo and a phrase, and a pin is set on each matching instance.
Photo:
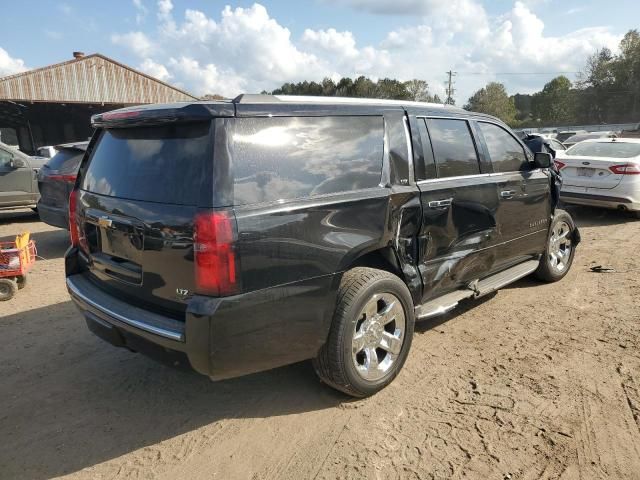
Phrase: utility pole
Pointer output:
(450, 89)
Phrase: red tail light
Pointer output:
(626, 169)
(74, 231)
(63, 178)
(215, 258)
(559, 164)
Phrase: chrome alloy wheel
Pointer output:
(560, 246)
(378, 336)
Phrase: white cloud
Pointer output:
(9, 65)
(136, 42)
(245, 49)
(141, 11)
(164, 9)
(154, 69)
(205, 78)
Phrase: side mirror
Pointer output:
(542, 160)
(17, 163)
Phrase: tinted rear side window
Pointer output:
(286, 158)
(453, 147)
(507, 155)
(66, 160)
(158, 164)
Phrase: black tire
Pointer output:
(335, 361)
(8, 288)
(22, 281)
(635, 214)
(546, 270)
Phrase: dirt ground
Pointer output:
(538, 381)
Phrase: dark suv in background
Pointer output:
(255, 233)
(55, 182)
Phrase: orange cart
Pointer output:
(16, 259)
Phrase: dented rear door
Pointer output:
(459, 204)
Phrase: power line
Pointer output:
(518, 73)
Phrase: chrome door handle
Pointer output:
(507, 194)
(445, 203)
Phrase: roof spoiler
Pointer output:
(147, 115)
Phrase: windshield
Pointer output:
(605, 149)
(155, 164)
(66, 159)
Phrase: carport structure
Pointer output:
(54, 104)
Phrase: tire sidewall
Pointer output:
(399, 290)
(7, 289)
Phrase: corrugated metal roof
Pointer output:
(91, 79)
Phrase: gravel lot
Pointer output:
(537, 381)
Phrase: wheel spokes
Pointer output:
(389, 313)
(371, 308)
(391, 342)
(358, 342)
(371, 362)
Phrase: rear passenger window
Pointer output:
(453, 147)
(284, 158)
(507, 155)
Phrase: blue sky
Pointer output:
(209, 46)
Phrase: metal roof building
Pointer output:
(53, 104)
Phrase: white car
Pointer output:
(47, 151)
(603, 172)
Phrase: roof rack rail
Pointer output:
(267, 98)
(255, 98)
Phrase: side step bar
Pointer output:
(476, 289)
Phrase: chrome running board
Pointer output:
(476, 289)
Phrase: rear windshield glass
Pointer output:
(156, 164)
(605, 149)
(66, 160)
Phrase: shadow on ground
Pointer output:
(50, 244)
(18, 216)
(597, 217)
(71, 401)
(423, 326)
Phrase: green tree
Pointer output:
(554, 105)
(328, 87)
(344, 87)
(391, 89)
(418, 90)
(596, 84)
(626, 71)
(522, 103)
(493, 100)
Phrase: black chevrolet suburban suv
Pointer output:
(267, 230)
